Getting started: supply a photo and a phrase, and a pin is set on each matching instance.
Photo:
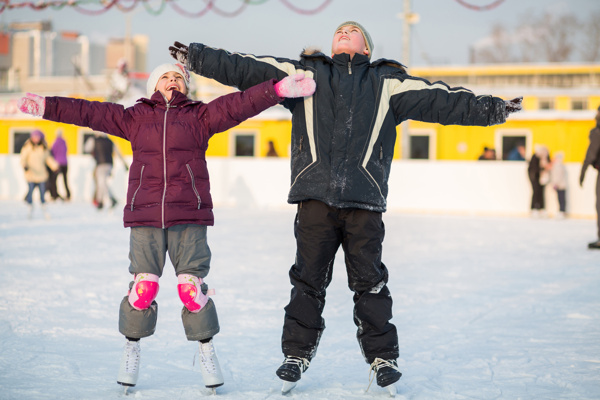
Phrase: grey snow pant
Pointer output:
(189, 253)
(320, 230)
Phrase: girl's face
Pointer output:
(350, 40)
(171, 81)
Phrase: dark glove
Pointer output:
(179, 51)
(513, 105)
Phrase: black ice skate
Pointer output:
(291, 371)
(387, 373)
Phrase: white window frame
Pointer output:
(432, 133)
(500, 133)
(243, 132)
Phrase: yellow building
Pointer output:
(560, 102)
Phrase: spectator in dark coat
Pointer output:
(539, 177)
(592, 157)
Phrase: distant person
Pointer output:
(35, 158)
(102, 148)
(342, 142)
(558, 181)
(59, 152)
(488, 154)
(169, 206)
(271, 152)
(539, 177)
(592, 157)
(517, 153)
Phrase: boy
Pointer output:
(168, 198)
(342, 147)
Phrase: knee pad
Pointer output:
(143, 291)
(190, 292)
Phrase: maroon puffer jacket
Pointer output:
(168, 179)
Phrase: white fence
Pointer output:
(464, 187)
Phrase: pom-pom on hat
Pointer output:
(163, 69)
(368, 41)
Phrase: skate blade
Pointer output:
(392, 390)
(126, 387)
(287, 387)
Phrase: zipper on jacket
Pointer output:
(301, 140)
(381, 152)
(194, 185)
(350, 67)
(162, 206)
(138, 188)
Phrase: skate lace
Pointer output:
(207, 351)
(133, 357)
(302, 363)
(377, 364)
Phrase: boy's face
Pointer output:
(350, 40)
(171, 81)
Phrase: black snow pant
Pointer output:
(537, 198)
(320, 230)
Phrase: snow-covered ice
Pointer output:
(486, 308)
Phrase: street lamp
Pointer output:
(408, 19)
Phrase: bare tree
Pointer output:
(548, 37)
(557, 40)
(494, 48)
(590, 49)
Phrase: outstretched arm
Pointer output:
(418, 99)
(230, 110)
(234, 69)
(104, 117)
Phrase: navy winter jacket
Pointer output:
(343, 136)
(168, 179)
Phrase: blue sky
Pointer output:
(444, 34)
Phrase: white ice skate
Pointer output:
(210, 368)
(130, 365)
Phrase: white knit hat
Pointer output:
(163, 69)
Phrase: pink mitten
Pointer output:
(295, 86)
(32, 104)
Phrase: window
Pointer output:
(19, 139)
(244, 144)
(513, 145)
(546, 104)
(85, 136)
(579, 104)
(419, 147)
(422, 144)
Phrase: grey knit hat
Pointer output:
(368, 41)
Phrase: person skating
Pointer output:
(169, 205)
(36, 161)
(341, 153)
